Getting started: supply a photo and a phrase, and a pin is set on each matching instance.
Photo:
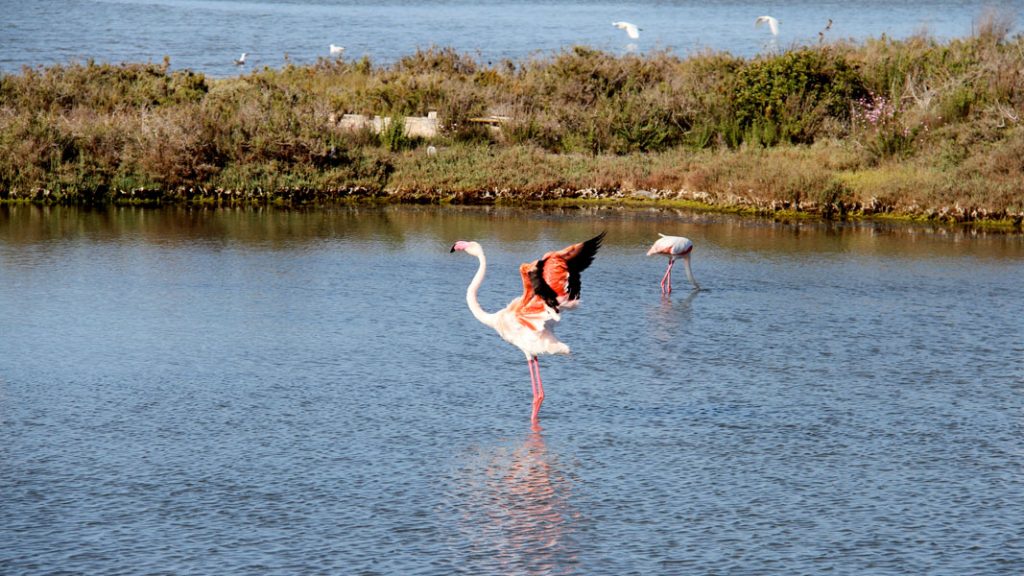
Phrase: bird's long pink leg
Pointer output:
(667, 278)
(538, 389)
(533, 377)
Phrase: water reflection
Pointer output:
(273, 227)
(682, 304)
(672, 315)
(517, 515)
(398, 226)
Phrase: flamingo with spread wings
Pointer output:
(551, 284)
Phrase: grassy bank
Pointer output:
(915, 128)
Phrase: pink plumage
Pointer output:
(673, 247)
(550, 284)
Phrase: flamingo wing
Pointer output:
(556, 276)
(531, 309)
(541, 287)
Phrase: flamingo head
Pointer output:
(467, 247)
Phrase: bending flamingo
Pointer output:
(674, 247)
(550, 285)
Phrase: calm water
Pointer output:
(206, 35)
(288, 392)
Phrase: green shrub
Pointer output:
(957, 104)
(764, 133)
(795, 91)
(444, 61)
(700, 136)
(642, 124)
(392, 135)
(103, 87)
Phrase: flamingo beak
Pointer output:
(460, 245)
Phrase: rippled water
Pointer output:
(207, 35)
(291, 392)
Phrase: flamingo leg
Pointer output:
(538, 388)
(666, 280)
(533, 377)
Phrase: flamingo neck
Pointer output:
(689, 273)
(474, 287)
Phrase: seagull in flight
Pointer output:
(241, 60)
(631, 30)
(772, 23)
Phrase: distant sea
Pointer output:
(208, 35)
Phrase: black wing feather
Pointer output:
(541, 287)
(581, 262)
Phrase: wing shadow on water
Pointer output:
(513, 511)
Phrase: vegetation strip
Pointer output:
(912, 128)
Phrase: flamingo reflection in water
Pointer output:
(517, 514)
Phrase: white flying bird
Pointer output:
(772, 23)
(631, 30)
(241, 60)
(337, 49)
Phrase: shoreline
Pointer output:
(697, 201)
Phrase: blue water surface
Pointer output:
(294, 392)
(208, 35)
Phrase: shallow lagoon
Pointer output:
(271, 391)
